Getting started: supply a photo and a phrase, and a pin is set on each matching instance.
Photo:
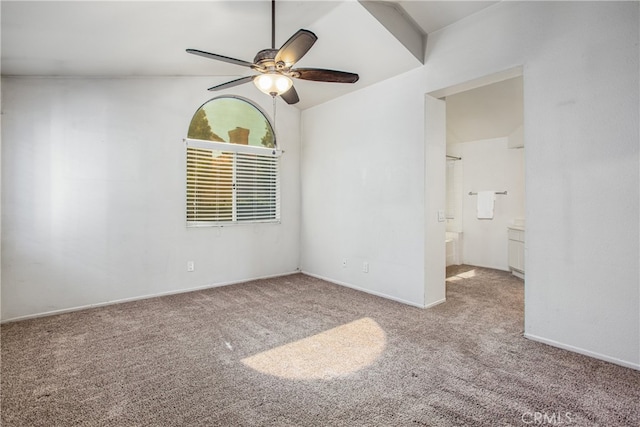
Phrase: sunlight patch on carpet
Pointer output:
(337, 352)
(466, 275)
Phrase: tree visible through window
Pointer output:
(232, 165)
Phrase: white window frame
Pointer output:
(241, 157)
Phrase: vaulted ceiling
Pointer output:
(491, 111)
(149, 38)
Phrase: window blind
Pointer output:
(231, 183)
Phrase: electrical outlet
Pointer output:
(344, 263)
(191, 266)
(365, 267)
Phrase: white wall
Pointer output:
(581, 98)
(93, 195)
(489, 165)
(435, 258)
(362, 174)
(582, 136)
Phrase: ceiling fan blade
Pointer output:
(296, 47)
(220, 58)
(320, 75)
(232, 83)
(290, 96)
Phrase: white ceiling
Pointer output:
(434, 15)
(149, 38)
(486, 112)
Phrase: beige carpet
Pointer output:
(298, 351)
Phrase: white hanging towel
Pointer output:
(485, 204)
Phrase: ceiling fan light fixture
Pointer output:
(275, 66)
(273, 84)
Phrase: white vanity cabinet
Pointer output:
(516, 250)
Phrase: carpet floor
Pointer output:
(299, 351)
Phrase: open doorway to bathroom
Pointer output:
(474, 145)
(485, 191)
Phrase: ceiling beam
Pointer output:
(399, 24)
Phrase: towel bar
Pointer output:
(471, 193)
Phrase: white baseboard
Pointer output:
(138, 298)
(368, 291)
(584, 352)
(518, 274)
(433, 304)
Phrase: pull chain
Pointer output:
(274, 121)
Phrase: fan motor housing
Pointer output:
(266, 59)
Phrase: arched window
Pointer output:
(232, 119)
(232, 164)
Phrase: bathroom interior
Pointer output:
(485, 188)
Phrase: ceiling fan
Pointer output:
(275, 66)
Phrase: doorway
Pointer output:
(474, 144)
